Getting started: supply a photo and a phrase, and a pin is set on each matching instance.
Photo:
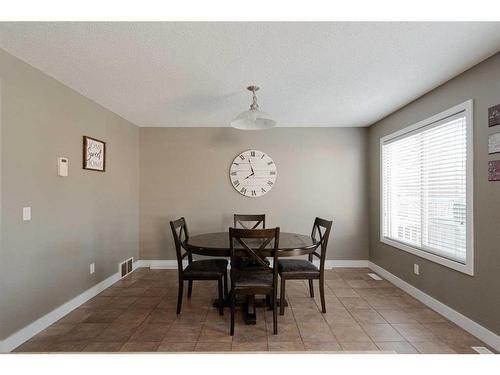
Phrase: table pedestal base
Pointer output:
(249, 304)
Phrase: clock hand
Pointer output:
(253, 172)
(249, 176)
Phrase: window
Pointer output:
(426, 182)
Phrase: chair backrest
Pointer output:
(180, 234)
(321, 232)
(250, 221)
(250, 247)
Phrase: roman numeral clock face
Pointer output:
(253, 173)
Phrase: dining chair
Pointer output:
(302, 269)
(250, 221)
(205, 269)
(251, 272)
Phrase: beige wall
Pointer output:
(476, 297)
(321, 172)
(86, 217)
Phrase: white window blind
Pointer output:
(424, 188)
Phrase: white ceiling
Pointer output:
(195, 74)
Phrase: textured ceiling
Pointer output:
(195, 74)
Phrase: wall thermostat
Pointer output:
(62, 167)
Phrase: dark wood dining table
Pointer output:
(217, 245)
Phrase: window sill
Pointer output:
(467, 268)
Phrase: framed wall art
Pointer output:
(494, 115)
(94, 154)
(494, 170)
(494, 143)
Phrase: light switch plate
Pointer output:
(92, 268)
(26, 213)
(416, 269)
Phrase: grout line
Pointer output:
(294, 319)
(359, 324)
(413, 346)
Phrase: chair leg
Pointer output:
(233, 306)
(275, 310)
(225, 284)
(311, 288)
(180, 294)
(190, 288)
(282, 296)
(221, 298)
(322, 294)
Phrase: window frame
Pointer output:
(467, 108)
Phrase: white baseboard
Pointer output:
(346, 264)
(24, 334)
(172, 264)
(467, 324)
(159, 264)
(139, 264)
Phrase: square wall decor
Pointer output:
(494, 170)
(94, 154)
(494, 115)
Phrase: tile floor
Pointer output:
(137, 314)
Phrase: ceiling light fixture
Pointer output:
(253, 119)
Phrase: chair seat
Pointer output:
(252, 280)
(297, 266)
(206, 268)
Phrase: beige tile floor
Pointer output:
(137, 314)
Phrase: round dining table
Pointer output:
(217, 245)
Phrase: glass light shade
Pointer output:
(253, 120)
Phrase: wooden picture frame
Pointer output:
(94, 154)
(494, 144)
(494, 116)
(494, 170)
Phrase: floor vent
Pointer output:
(374, 276)
(126, 267)
(482, 350)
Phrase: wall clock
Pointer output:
(253, 173)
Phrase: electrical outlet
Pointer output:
(92, 268)
(416, 269)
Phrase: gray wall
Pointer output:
(86, 217)
(476, 297)
(95, 217)
(321, 172)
